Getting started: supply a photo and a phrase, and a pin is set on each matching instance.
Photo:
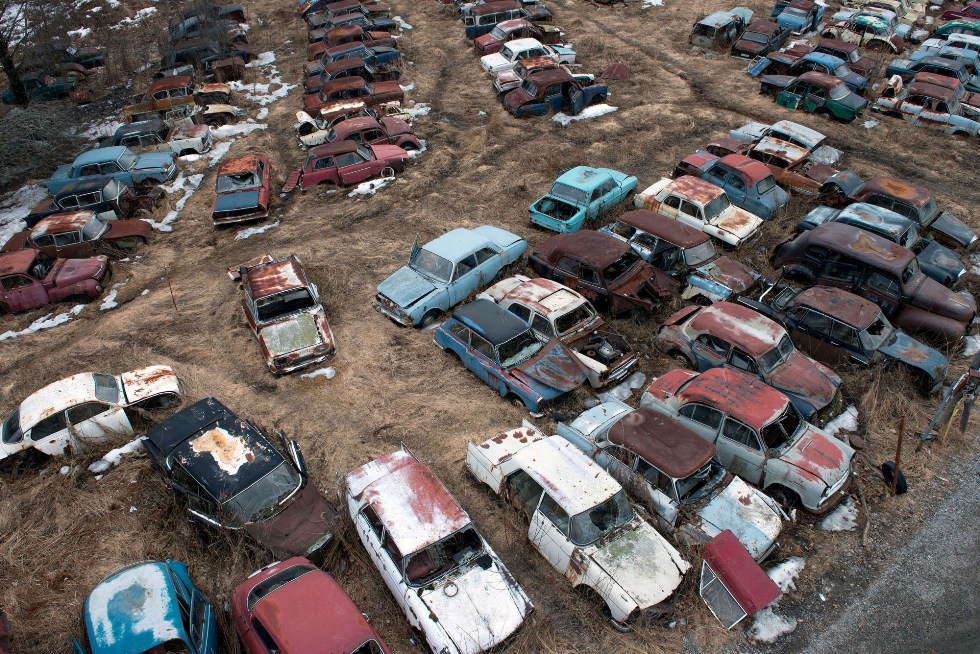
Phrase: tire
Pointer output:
(701, 301)
(4, 310)
(681, 358)
(784, 497)
(387, 172)
(823, 114)
(430, 317)
(888, 472)
(599, 99)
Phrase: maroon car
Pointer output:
(293, 606)
(365, 129)
(353, 88)
(322, 40)
(242, 190)
(319, 73)
(346, 162)
(518, 28)
(81, 234)
(849, 52)
(759, 39)
(30, 279)
(605, 270)
(969, 11)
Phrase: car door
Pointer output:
(912, 107)
(385, 555)
(882, 289)
(554, 98)
(671, 207)
(98, 420)
(740, 360)
(353, 168)
(658, 493)
(744, 454)
(704, 420)
(69, 244)
(20, 293)
(488, 263)
(710, 352)
(811, 333)
(603, 198)
(483, 360)
(50, 435)
(467, 277)
(590, 285)
(549, 534)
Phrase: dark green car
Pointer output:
(41, 87)
(815, 92)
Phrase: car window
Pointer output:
(66, 238)
(542, 326)
(265, 637)
(554, 513)
(465, 266)
(45, 241)
(714, 344)
(348, 159)
(690, 209)
(701, 413)
(481, 345)
(50, 425)
(590, 276)
(460, 330)
(673, 201)
(816, 322)
(840, 270)
(740, 433)
(109, 168)
(82, 412)
(524, 491)
(743, 361)
(845, 334)
(521, 312)
(15, 281)
(717, 175)
(817, 252)
(91, 169)
(736, 182)
(657, 479)
(326, 162)
(554, 89)
(200, 613)
(69, 202)
(885, 284)
(484, 254)
(569, 266)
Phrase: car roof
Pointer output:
(780, 148)
(740, 395)
(764, 27)
(354, 124)
(133, 610)
(741, 326)
(823, 58)
(238, 165)
(56, 396)
(923, 87)
(514, 23)
(942, 62)
(333, 149)
(59, 223)
(717, 19)
(343, 84)
(838, 303)
(551, 76)
(914, 194)
(665, 228)
(141, 127)
(85, 185)
(823, 80)
(584, 177)
(457, 243)
(878, 218)
(412, 504)
(167, 83)
(493, 7)
(756, 171)
(18, 261)
(572, 479)
(862, 245)
(521, 44)
(662, 442)
(100, 155)
(837, 44)
(741, 576)
(491, 321)
(592, 248)
(700, 190)
(801, 132)
(545, 296)
(222, 452)
(275, 276)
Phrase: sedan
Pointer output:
(817, 93)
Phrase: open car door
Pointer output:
(732, 583)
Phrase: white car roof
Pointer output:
(523, 44)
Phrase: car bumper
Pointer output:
(830, 501)
(392, 313)
(240, 217)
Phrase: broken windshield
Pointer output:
(616, 269)
(238, 182)
(518, 349)
(437, 559)
(589, 526)
(282, 304)
(93, 228)
(431, 265)
(580, 315)
(716, 207)
(700, 253)
(783, 430)
(877, 333)
(778, 354)
(697, 485)
(262, 499)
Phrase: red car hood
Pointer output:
(802, 377)
(70, 271)
(303, 522)
(933, 296)
(16, 242)
(748, 46)
(395, 126)
(515, 99)
(389, 152)
(122, 228)
(818, 455)
(312, 102)
(486, 43)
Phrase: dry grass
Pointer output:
(62, 534)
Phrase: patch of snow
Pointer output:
(784, 574)
(241, 129)
(65, 470)
(929, 20)
(370, 187)
(843, 518)
(80, 33)
(934, 7)
(137, 18)
(329, 373)
(918, 35)
(414, 153)
(187, 184)
(263, 114)
(102, 128)
(145, 292)
(401, 23)
(871, 122)
(481, 113)
(260, 93)
(15, 206)
(406, 89)
(846, 422)
(252, 231)
(264, 59)
(44, 322)
(971, 345)
(767, 626)
(113, 457)
(110, 300)
(636, 380)
(651, 3)
(132, 509)
(190, 158)
(594, 111)
(419, 110)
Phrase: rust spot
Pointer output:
(864, 243)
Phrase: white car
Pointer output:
(518, 49)
(580, 520)
(446, 578)
(85, 407)
(701, 205)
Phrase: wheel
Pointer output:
(408, 146)
(876, 47)
(681, 358)
(823, 113)
(784, 497)
(387, 172)
(599, 99)
(516, 401)
(888, 472)
(701, 301)
(430, 317)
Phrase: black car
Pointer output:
(759, 39)
(105, 196)
(232, 477)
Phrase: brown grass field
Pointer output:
(60, 535)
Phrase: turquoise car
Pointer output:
(149, 607)
(579, 195)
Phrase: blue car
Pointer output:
(831, 65)
(149, 607)
(800, 15)
(748, 183)
(500, 348)
(119, 163)
(908, 69)
(579, 195)
(444, 272)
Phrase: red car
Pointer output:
(353, 88)
(518, 28)
(30, 279)
(969, 11)
(346, 163)
(323, 40)
(293, 607)
(242, 190)
(81, 234)
(365, 129)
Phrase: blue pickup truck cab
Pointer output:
(579, 195)
(119, 163)
(151, 606)
(799, 15)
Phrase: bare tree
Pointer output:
(13, 29)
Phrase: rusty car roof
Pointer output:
(780, 148)
(356, 123)
(550, 76)
(275, 276)
(898, 188)
(665, 228)
(238, 165)
(592, 248)
(739, 394)
(494, 7)
(921, 87)
(823, 80)
(937, 80)
(838, 303)
(862, 245)
(764, 27)
(748, 583)
(17, 262)
(59, 223)
(545, 296)
(756, 171)
(343, 84)
(662, 442)
(167, 83)
(412, 504)
(746, 329)
(694, 188)
(332, 149)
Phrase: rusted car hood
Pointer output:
(737, 222)
(936, 298)
(801, 377)
(149, 382)
(123, 228)
(746, 513)
(555, 367)
(515, 99)
(819, 456)
(76, 270)
(729, 273)
(748, 46)
(916, 354)
(656, 283)
(395, 126)
(191, 132)
(938, 259)
(299, 332)
(305, 521)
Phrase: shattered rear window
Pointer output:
(574, 318)
(237, 182)
(106, 388)
(10, 431)
(589, 526)
(283, 304)
(262, 499)
(616, 269)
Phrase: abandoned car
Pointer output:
(118, 162)
(759, 39)
(159, 136)
(230, 476)
(353, 88)
(81, 234)
(581, 522)
(801, 16)
(747, 183)
(528, 48)
(519, 28)
(442, 573)
(444, 272)
(242, 191)
(553, 90)
(30, 279)
(720, 29)
(346, 162)
(867, 29)
(580, 195)
(107, 197)
(815, 92)
(931, 106)
(282, 309)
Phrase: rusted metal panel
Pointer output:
(743, 396)
(619, 72)
(17, 262)
(862, 245)
(751, 331)
(662, 442)
(59, 223)
(239, 165)
(697, 189)
(661, 226)
(274, 277)
(913, 194)
(852, 309)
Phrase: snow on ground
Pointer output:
(409, 87)
(80, 33)
(260, 93)
(414, 153)
(13, 22)
(846, 422)
(971, 345)
(113, 457)
(110, 299)
(594, 111)
(401, 23)
(238, 129)
(44, 322)
(15, 206)
(187, 184)
(329, 373)
(263, 114)
(252, 231)
(370, 187)
(768, 626)
(871, 122)
(136, 19)
(784, 574)
(843, 518)
(652, 3)
(420, 109)
(101, 128)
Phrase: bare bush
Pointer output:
(36, 139)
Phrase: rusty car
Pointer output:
(74, 412)
(868, 29)
(801, 16)
(283, 311)
(120, 163)
(505, 353)
(812, 141)
(759, 39)
(519, 28)
(732, 584)
(81, 234)
(552, 309)
(369, 131)
(815, 92)
(758, 435)
(942, 66)
(932, 106)
(686, 254)
(793, 167)
(182, 86)
(527, 48)
(242, 190)
(580, 195)
(580, 520)
(849, 53)
(230, 476)
(881, 271)
(702, 205)
(318, 73)
(312, 131)
(839, 328)
(968, 11)
(30, 279)
(107, 197)
(351, 34)
(670, 470)
(443, 574)
(553, 91)
(353, 88)
(444, 272)
(507, 80)
(345, 162)
(720, 29)
(298, 607)
(729, 335)
(747, 183)
(160, 136)
(819, 62)
(605, 270)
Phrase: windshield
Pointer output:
(694, 487)
(778, 354)
(498, 33)
(793, 11)
(842, 71)
(529, 88)
(238, 182)
(910, 271)
(437, 559)
(780, 432)
(10, 430)
(127, 160)
(700, 253)
(106, 388)
(282, 304)
(431, 265)
(716, 207)
(755, 37)
(928, 212)
(910, 237)
(518, 349)
(580, 315)
(41, 266)
(260, 500)
(589, 526)
(766, 184)
(877, 333)
(570, 194)
(839, 92)
(616, 269)
(331, 135)
(93, 228)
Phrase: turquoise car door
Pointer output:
(466, 279)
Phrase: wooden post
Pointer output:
(898, 454)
